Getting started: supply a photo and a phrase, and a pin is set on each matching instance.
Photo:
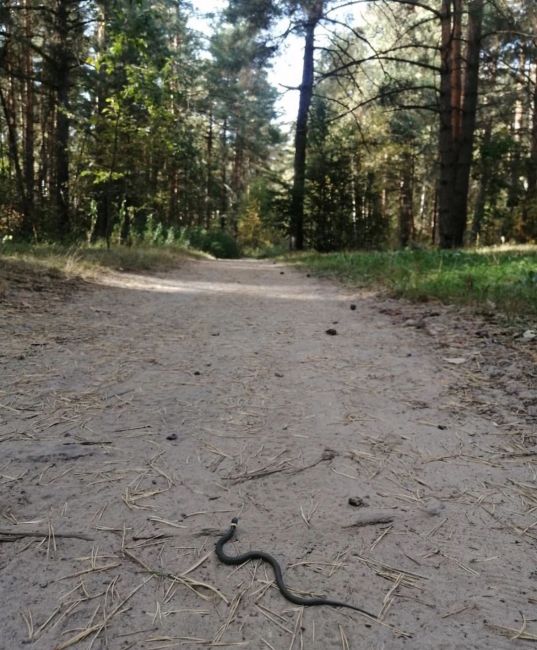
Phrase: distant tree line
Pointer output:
(417, 125)
(115, 121)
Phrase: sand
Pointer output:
(390, 465)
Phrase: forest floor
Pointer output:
(391, 465)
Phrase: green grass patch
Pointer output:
(501, 278)
(83, 261)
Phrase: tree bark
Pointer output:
(465, 144)
(314, 14)
(457, 117)
(529, 216)
(13, 147)
(29, 160)
(101, 191)
(484, 182)
(224, 198)
(406, 201)
(209, 186)
(61, 150)
(8, 100)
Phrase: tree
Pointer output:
(241, 105)
(306, 16)
(458, 106)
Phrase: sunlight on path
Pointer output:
(236, 287)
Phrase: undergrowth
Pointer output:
(84, 260)
(497, 278)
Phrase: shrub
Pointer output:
(216, 242)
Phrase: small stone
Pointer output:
(278, 374)
(331, 331)
(412, 322)
(434, 507)
(172, 436)
(197, 372)
(357, 502)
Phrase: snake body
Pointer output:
(234, 560)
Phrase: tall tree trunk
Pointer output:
(406, 201)
(457, 117)
(301, 133)
(29, 171)
(529, 224)
(224, 202)
(484, 183)
(469, 112)
(101, 191)
(13, 146)
(8, 100)
(209, 186)
(62, 83)
(237, 177)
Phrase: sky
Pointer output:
(287, 66)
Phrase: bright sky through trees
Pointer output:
(287, 68)
(139, 122)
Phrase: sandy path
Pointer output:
(141, 414)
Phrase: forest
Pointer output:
(416, 125)
(244, 309)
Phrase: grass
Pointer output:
(498, 278)
(503, 278)
(86, 261)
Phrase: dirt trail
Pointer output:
(146, 413)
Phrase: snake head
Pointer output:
(234, 521)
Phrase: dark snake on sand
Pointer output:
(261, 555)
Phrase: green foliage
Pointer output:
(216, 242)
(166, 140)
(251, 233)
(502, 278)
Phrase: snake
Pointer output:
(234, 560)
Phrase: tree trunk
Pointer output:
(469, 112)
(457, 120)
(484, 182)
(237, 177)
(406, 200)
(224, 202)
(209, 186)
(301, 133)
(29, 171)
(13, 147)
(62, 83)
(101, 191)
(529, 217)
(8, 101)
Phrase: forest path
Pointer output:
(146, 413)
